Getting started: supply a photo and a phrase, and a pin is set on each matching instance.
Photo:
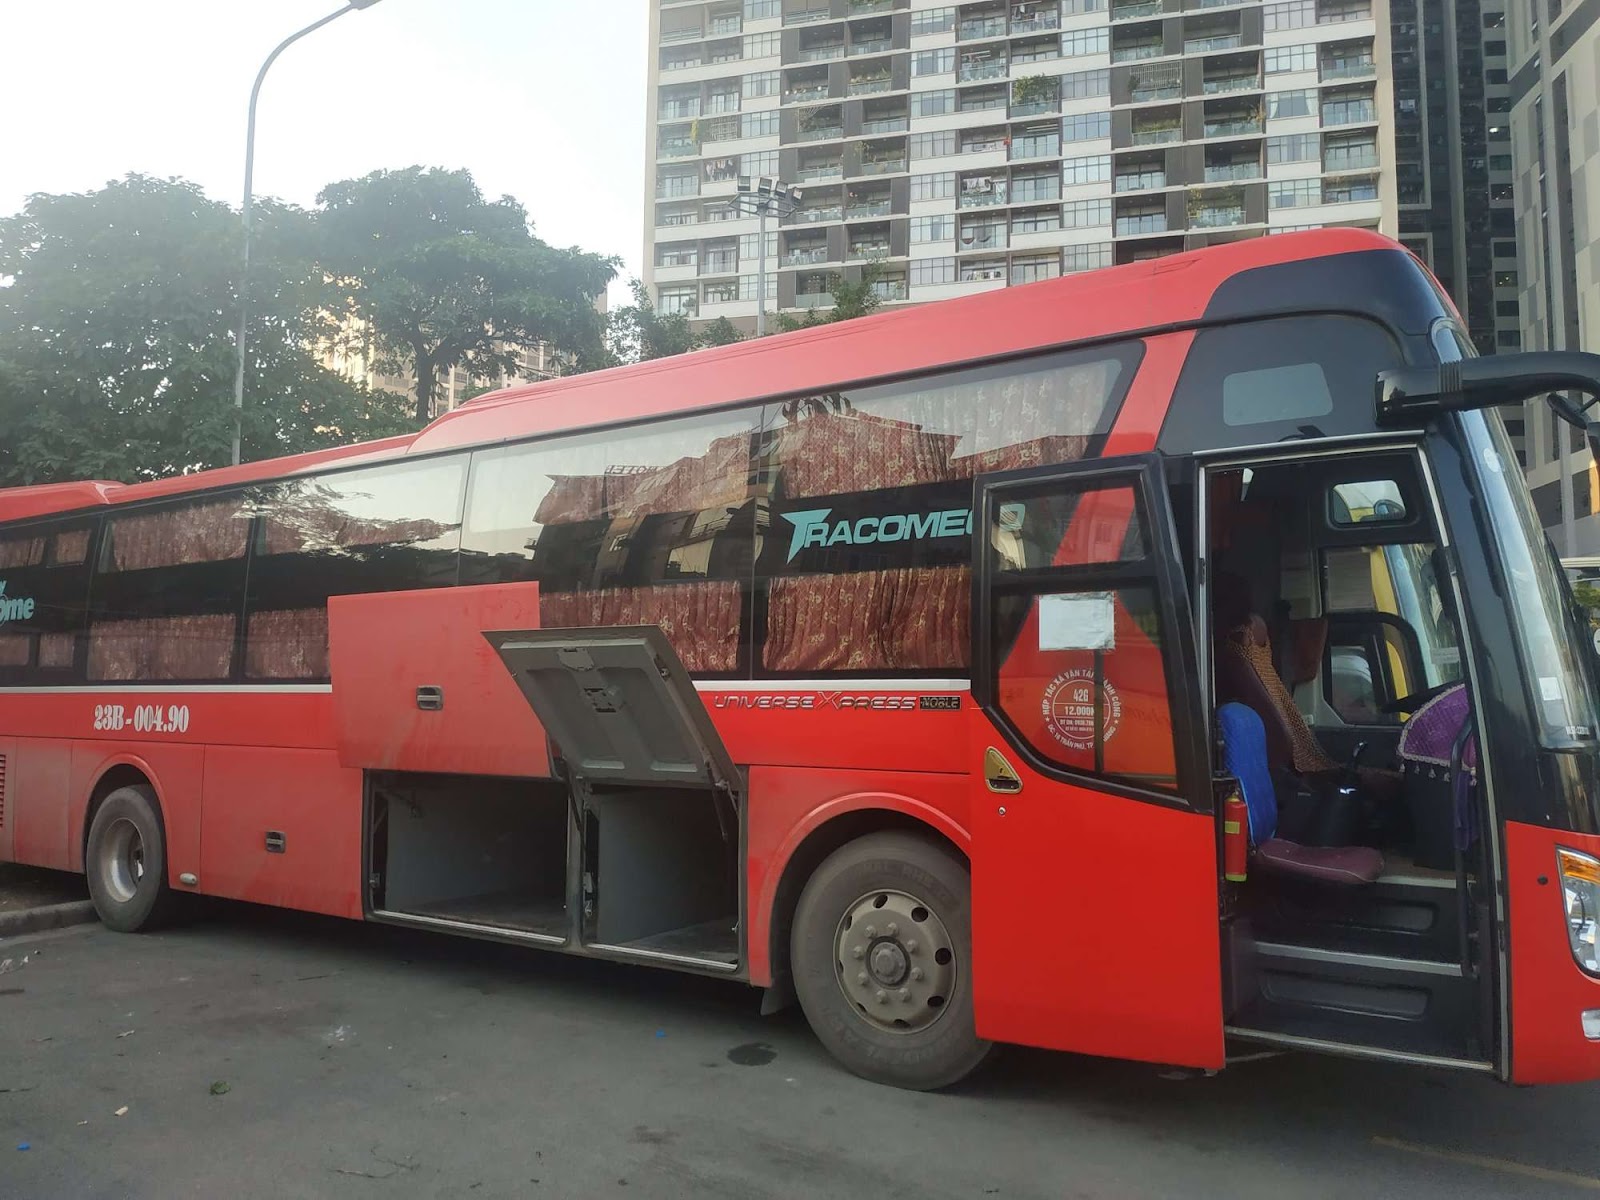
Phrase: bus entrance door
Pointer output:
(1094, 876)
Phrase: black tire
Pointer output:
(853, 979)
(126, 862)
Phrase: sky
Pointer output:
(540, 99)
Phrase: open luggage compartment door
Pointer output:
(655, 793)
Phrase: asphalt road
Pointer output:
(273, 1055)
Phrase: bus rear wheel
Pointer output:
(126, 861)
(881, 958)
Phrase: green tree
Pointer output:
(117, 348)
(851, 299)
(640, 331)
(721, 332)
(440, 277)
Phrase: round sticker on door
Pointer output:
(1069, 709)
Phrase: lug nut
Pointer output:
(911, 946)
(916, 973)
(905, 994)
(861, 978)
(893, 929)
(872, 931)
(883, 996)
(858, 952)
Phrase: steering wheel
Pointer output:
(1416, 700)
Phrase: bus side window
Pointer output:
(44, 584)
(647, 526)
(865, 551)
(167, 593)
(389, 528)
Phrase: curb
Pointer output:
(49, 916)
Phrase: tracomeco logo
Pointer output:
(14, 609)
(813, 529)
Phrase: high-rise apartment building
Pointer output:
(973, 146)
(1555, 148)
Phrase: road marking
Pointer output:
(1504, 1166)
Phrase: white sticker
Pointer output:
(1078, 621)
(1550, 688)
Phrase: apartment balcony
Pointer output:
(868, 209)
(862, 8)
(1216, 217)
(725, 26)
(1044, 22)
(678, 148)
(1224, 84)
(820, 53)
(983, 273)
(811, 216)
(808, 256)
(875, 46)
(807, 16)
(814, 300)
(1347, 68)
(1144, 223)
(1035, 108)
(722, 105)
(670, 36)
(1242, 127)
(883, 166)
(816, 174)
(991, 69)
(719, 264)
(867, 251)
(984, 27)
(1348, 112)
(1159, 136)
(1143, 10)
(1155, 84)
(890, 290)
(825, 133)
(1207, 45)
(1139, 181)
(982, 199)
(808, 93)
(681, 111)
(678, 190)
(1137, 52)
(1335, 159)
(886, 125)
(1232, 172)
(871, 87)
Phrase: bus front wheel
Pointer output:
(126, 861)
(882, 963)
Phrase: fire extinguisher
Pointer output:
(1235, 836)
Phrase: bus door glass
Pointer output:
(1094, 853)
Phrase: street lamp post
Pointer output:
(764, 197)
(249, 182)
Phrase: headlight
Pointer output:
(1580, 891)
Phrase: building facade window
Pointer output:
(933, 229)
(929, 272)
(934, 20)
(1086, 127)
(933, 187)
(1085, 41)
(934, 145)
(1282, 59)
(933, 62)
(932, 104)
(1086, 214)
(1095, 168)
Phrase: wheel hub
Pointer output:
(122, 860)
(895, 961)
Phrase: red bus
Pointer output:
(1121, 664)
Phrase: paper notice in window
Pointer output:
(1078, 621)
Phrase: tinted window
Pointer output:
(167, 592)
(648, 526)
(865, 547)
(380, 529)
(44, 583)
(1267, 381)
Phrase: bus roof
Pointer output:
(1173, 290)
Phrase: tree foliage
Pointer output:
(440, 277)
(851, 299)
(640, 331)
(117, 349)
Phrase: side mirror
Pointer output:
(1411, 394)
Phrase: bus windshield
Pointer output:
(1562, 705)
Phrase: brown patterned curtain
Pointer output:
(21, 552)
(196, 533)
(154, 648)
(56, 650)
(287, 644)
(701, 620)
(913, 619)
(15, 649)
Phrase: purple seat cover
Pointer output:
(1430, 734)
(1325, 864)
